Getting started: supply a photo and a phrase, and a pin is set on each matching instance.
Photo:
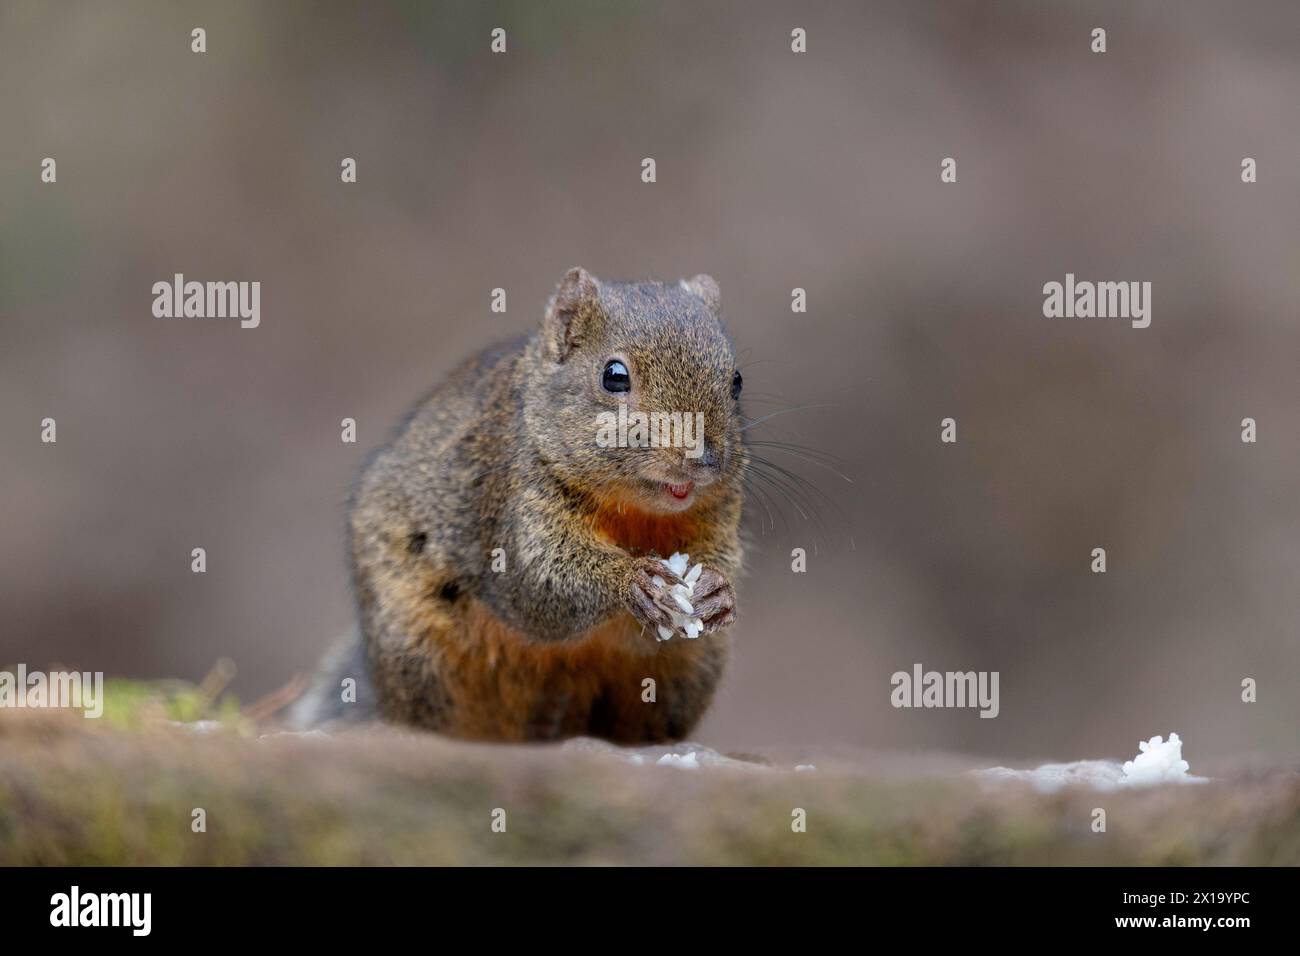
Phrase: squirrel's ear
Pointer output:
(572, 313)
(706, 287)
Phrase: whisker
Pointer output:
(810, 515)
(784, 411)
(807, 454)
(785, 490)
(804, 506)
(765, 501)
(796, 479)
(799, 488)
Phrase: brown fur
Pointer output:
(639, 532)
(502, 457)
(506, 687)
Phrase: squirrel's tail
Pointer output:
(340, 692)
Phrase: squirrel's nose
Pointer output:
(708, 457)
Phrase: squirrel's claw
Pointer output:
(714, 600)
(651, 603)
(724, 618)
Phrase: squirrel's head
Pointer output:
(634, 394)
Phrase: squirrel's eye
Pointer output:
(736, 383)
(615, 378)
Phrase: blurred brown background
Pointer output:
(775, 170)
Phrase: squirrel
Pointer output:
(507, 566)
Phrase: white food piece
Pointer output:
(1158, 761)
(683, 754)
(687, 761)
(684, 620)
(678, 564)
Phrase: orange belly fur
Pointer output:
(505, 686)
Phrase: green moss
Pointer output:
(141, 705)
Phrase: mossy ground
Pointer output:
(123, 790)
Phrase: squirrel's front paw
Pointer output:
(651, 602)
(714, 599)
